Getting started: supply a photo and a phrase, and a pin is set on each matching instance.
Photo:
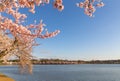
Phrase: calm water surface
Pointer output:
(83, 72)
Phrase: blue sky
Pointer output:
(81, 37)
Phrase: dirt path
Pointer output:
(5, 78)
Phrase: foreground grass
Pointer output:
(5, 78)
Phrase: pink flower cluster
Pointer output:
(90, 6)
(15, 27)
(58, 4)
(24, 32)
(31, 4)
(4, 4)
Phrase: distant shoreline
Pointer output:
(62, 62)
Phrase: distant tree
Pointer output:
(18, 39)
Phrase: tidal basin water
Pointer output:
(82, 72)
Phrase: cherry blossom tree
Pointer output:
(23, 37)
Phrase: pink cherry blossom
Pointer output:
(90, 6)
(58, 4)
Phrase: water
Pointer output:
(83, 72)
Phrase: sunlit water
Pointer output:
(83, 72)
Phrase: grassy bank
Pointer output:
(5, 78)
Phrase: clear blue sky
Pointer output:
(81, 37)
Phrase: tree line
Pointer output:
(61, 61)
